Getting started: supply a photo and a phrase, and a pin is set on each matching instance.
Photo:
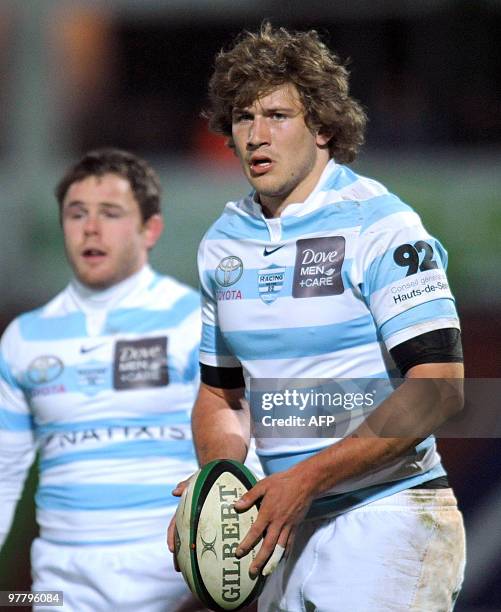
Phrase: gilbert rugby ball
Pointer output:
(208, 531)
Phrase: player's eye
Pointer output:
(279, 116)
(75, 214)
(111, 212)
(241, 117)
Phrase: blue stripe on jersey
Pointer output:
(379, 207)
(301, 341)
(248, 282)
(174, 449)
(35, 327)
(339, 502)
(156, 279)
(106, 496)
(336, 504)
(249, 287)
(137, 320)
(177, 417)
(191, 371)
(13, 421)
(273, 461)
(234, 226)
(341, 215)
(326, 220)
(341, 177)
(73, 378)
(383, 270)
(429, 311)
(213, 341)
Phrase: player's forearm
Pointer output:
(349, 458)
(220, 424)
(408, 416)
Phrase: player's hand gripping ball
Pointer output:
(208, 531)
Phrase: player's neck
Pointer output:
(273, 206)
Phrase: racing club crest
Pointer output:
(270, 281)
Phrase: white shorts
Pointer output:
(126, 577)
(403, 552)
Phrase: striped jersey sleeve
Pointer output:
(17, 436)
(214, 350)
(401, 272)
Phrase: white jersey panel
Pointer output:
(361, 362)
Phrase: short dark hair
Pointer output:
(143, 180)
(259, 62)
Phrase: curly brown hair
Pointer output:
(259, 62)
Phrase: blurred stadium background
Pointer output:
(133, 73)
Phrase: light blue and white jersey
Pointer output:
(102, 385)
(324, 291)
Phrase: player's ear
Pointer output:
(153, 229)
(322, 138)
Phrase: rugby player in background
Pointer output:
(368, 520)
(101, 381)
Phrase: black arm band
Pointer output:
(224, 378)
(438, 346)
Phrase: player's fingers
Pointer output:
(170, 534)
(249, 499)
(273, 561)
(176, 565)
(171, 531)
(251, 538)
(180, 487)
(268, 548)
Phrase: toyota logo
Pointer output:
(229, 271)
(44, 369)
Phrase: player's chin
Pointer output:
(95, 279)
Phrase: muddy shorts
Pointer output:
(403, 552)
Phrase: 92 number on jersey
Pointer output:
(407, 255)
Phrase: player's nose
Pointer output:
(259, 132)
(91, 225)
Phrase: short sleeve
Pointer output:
(213, 350)
(400, 270)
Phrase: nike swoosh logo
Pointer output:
(267, 251)
(88, 349)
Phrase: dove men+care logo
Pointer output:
(317, 270)
(140, 363)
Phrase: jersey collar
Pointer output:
(296, 209)
(107, 299)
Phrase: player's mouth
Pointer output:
(93, 255)
(260, 164)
